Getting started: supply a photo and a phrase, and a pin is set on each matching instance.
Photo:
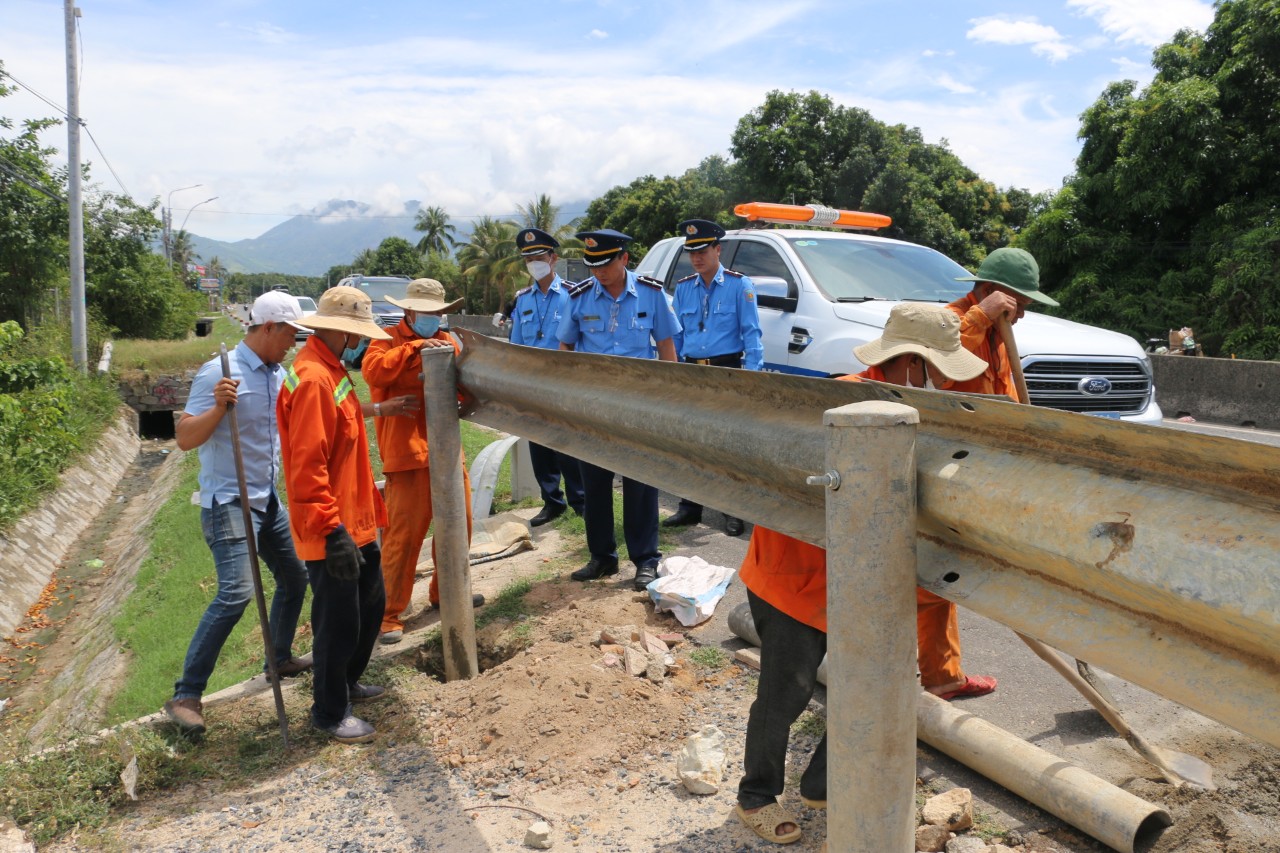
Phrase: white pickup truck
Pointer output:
(821, 293)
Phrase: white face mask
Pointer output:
(538, 269)
(928, 381)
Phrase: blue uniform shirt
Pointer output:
(256, 397)
(536, 318)
(720, 318)
(598, 323)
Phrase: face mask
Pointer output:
(538, 269)
(350, 354)
(426, 325)
(928, 381)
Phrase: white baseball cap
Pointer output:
(275, 306)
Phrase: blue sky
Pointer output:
(276, 107)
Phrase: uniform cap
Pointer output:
(346, 309)
(600, 247)
(699, 234)
(928, 330)
(1015, 269)
(426, 295)
(535, 241)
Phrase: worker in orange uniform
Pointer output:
(786, 582)
(334, 509)
(1005, 283)
(393, 368)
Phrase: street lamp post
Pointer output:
(167, 223)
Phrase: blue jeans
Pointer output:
(224, 532)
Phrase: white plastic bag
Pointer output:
(689, 587)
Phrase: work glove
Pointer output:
(497, 320)
(342, 559)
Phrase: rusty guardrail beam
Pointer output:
(1147, 552)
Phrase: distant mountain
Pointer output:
(331, 234)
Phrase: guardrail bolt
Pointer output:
(831, 480)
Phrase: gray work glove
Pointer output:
(342, 559)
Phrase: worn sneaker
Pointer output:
(292, 667)
(187, 715)
(390, 638)
(352, 729)
(365, 692)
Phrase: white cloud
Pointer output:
(953, 85)
(1044, 40)
(1147, 23)
(597, 34)
(932, 53)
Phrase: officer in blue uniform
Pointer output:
(535, 322)
(616, 312)
(721, 326)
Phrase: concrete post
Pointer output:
(449, 509)
(523, 483)
(871, 639)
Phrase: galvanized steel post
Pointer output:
(449, 511)
(871, 636)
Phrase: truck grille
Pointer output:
(1057, 383)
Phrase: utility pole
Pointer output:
(75, 203)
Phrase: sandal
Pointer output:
(974, 685)
(766, 821)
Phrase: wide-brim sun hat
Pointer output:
(346, 309)
(426, 296)
(1015, 269)
(928, 330)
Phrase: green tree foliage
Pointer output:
(491, 264)
(437, 234)
(804, 148)
(648, 209)
(146, 300)
(396, 256)
(246, 287)
(1170, 218)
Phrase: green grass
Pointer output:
(810, 724)
(173, 588)
(709, 657)
(130, 354)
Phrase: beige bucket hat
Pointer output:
(426, 295)
(928, 330)
(346, 309)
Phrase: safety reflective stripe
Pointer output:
(340, 393)
(344, 388)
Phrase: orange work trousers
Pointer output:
(937, 639)
(408, 499)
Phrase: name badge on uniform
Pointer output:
(590, 318)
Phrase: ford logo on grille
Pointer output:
(1095, 386)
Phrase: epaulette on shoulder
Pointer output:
(734, 273)
(690, 277)
(523, 291)
(579, 288)
(651, 282)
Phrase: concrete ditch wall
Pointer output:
(1220, 390)
(32, 551)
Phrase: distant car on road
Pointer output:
(307, 306)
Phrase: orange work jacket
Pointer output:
(325, 452)
(392, 368)
(789, 574)
(978, 334)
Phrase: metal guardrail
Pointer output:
(1147, 552)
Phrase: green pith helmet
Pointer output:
(1014, 269)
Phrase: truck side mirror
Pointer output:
(774, 292)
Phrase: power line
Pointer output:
(62, 111)
(11, 170)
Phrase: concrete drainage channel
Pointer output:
(67, 569)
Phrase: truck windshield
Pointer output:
(378, 291)
(856, 270)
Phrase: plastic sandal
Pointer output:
(974, 685)
(766, 821)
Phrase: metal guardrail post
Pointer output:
(871, 637)
(449, 508)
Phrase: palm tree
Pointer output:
(491, 259)
(364, 262)
(437, 233)
(183, 254)
(541, 213)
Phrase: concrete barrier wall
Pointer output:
(1220, 390)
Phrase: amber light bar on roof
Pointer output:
(810, 214)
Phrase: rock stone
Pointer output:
(953, 809)
(701, 761)
(932, 839)
(13, 839)
(966, 844)
(1000, 848)
(538, 835)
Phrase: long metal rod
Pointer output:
(449, 513)
(871, 638)
(251, 540)
(1148, 552)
